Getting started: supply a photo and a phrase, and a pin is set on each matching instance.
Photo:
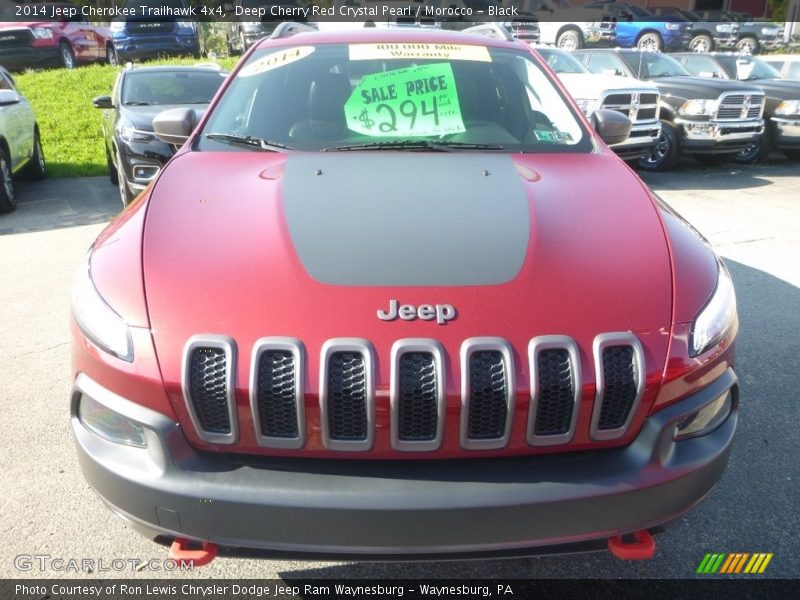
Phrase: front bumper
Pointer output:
(726, 137)
(410, 507)
(641, 140)
(725, 43)
(142, 162)
(133, 47)
(786, 133)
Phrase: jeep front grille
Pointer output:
(637, 105)
(276, 392)
(619, 367)
(346, 394)
(487, 393)
(417, 394)
(554, 364)
(207, 381)
(740, 106)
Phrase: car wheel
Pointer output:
(111, 56)
(664, 155)
(650, 42)
(747, 45)
(756, 151)
(713, 160)
(125, 194)
(569, 40)
(112, 169)
(8, 201)
(36, 167)
(66, 55)
(701, 43)
(792, 154)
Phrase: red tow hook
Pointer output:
(180, 551)
(643, 547)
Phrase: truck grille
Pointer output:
(620, 384)
(740, 106)
(16, 38)
(417, 391)
(150, 27)
(638, 106)
(208, 387)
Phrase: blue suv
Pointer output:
(143, 36)
(640, 28)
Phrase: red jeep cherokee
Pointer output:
(395, 296)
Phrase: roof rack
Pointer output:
(289, 28)
(492, 30)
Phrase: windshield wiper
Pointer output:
(136, 103)
(417, 145)
(250, 141)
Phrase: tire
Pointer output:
(792, 154)
(8, 202)
(664, 156)
(755, 152)
(747, 44)
(713, 160)
(702, 43)
(125, 194)
(112, 169)
(650, 41)
(569, 40)
(66, 56)
(111, 56)
(36, 168)
(242, 43)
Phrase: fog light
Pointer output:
(144, 173)
(705, 420)
(110, 425)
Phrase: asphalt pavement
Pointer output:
(751, 215)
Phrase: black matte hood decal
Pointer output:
(386, 218)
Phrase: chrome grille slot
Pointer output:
(208, 387)
(276, 392)
(417, 394)
(346, 394)
(555, 390)
(740, 106)
(487, 393)
(619, 368)
(638, 106)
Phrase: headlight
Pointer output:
(672, 26)
(117, 26)
(110, 425)
(724, 28)
(787, 108)
(705, 420)
(585, 105)
(698, 108)
(186, 25)
(131, 134)
(42, 33)
(717, 317)
(769, 31)
(96, 319)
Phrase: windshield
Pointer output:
(562, 62)
(333, 96)
(652, 65)
(746, 69)
(170, 87)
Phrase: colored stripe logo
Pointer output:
(734, 563)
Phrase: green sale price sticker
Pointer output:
(415, 101)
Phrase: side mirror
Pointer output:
(611, 126)
(103, 102)
(174, 126)
(9, 97)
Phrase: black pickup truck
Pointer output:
(710, 119)
(707, 35)
(754, 36)
(781, 108)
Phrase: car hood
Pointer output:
(592, 85)
(251, 244)
(142, 116)
(702, 87)
(785, 89)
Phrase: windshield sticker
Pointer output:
(421, 51)
(276, 60)
(545, 135)
(417, 101)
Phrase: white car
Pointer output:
(638, 100)
(20, 143)
(566, 26)
(788, 65)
